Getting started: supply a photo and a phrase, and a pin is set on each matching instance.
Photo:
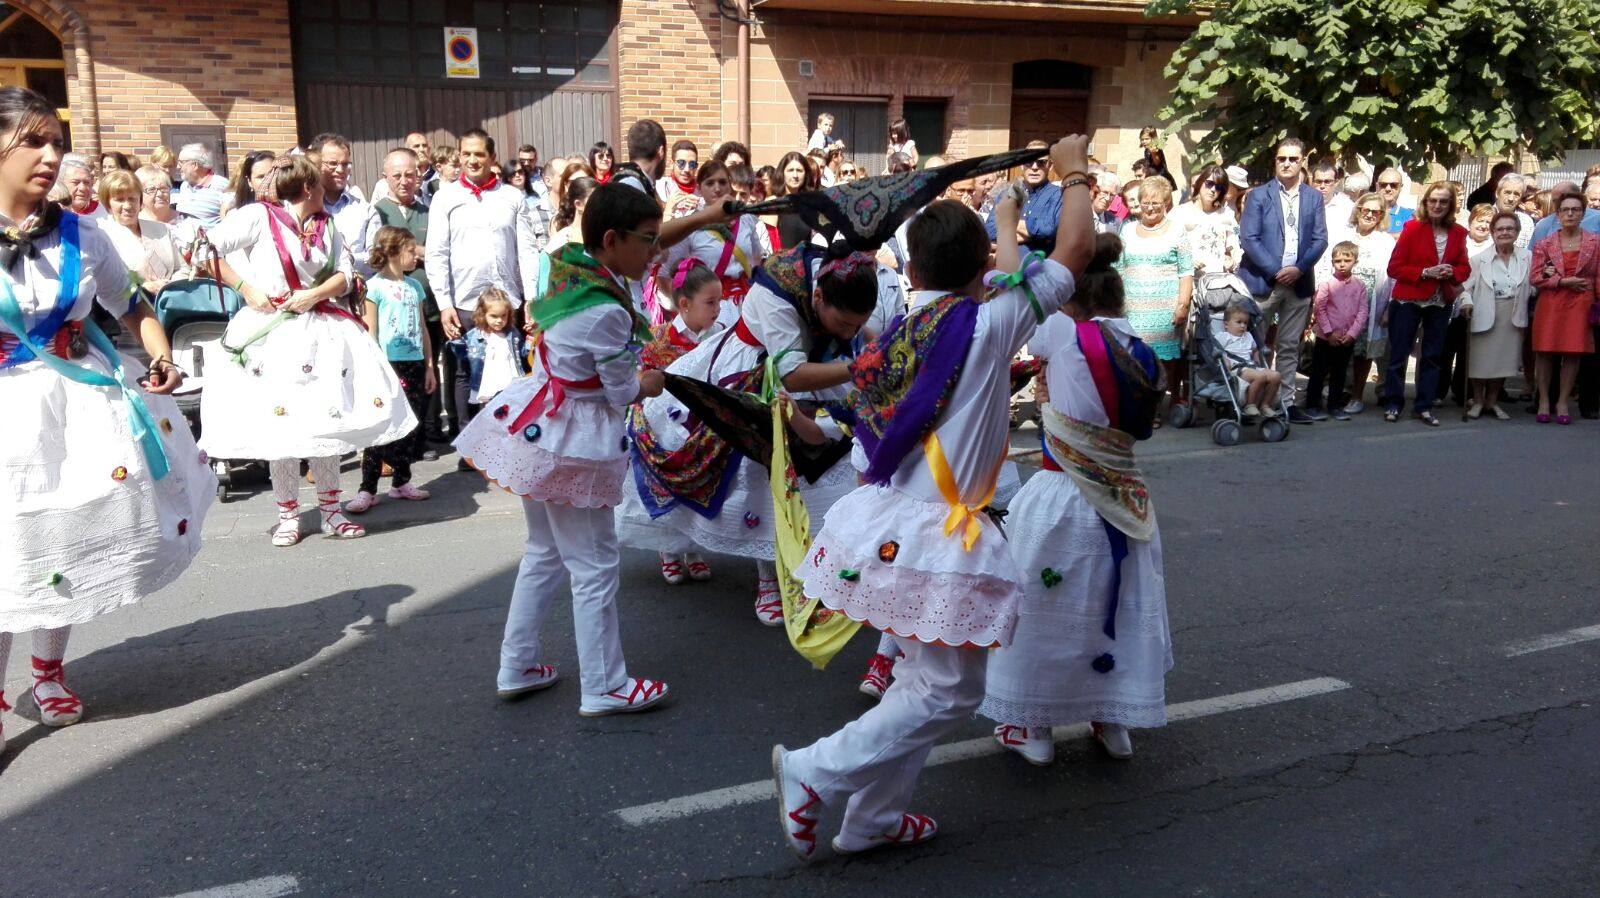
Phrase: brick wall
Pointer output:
(673, 68)
(168, 61)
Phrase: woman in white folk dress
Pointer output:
(301, 379)
(1092, 641)
(104, 493)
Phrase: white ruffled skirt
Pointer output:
(317, 385)
(577, 457)
(1048, 675)
(883, 559)
(84, 527)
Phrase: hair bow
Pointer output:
(845, 267)
(682, 271)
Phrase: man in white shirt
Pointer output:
(480, 235)
(76, 176)
(341, 199)
(199, 197)
(1507, 197)
(1336, 206)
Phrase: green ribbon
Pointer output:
(140, 421)
(236, 353)
(1019, 278)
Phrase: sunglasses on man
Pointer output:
(686, 164)
(1037, 163)
(1295, 159)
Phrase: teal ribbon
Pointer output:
(140, 420)
(1000, 283)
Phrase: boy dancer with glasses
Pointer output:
(557, 439)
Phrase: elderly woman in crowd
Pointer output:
(1496, 303)
(1566, 272)
(155, 187)
(1157, 271)
(147, 247)
(1374, 246)
(1429, 265)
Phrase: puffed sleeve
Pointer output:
(777, 326)
(616, 356)
(1017, 312)
(239, 230)
(112, 286)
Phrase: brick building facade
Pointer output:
(977, 75)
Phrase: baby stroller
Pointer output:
(194, 313)
(1213, 373)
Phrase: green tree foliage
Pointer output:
(1410, 81)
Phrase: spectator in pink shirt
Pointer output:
(1338, 316)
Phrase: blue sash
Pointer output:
(140, 420)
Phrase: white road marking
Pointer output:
(265, 887)
(1551, 641)
(749, 793)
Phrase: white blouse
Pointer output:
(102, 277)
(247, 231)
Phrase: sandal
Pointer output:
(672, 571)
(1428, 418)
(287, 533)
(699, 571)
(1391, 415)
(334, 523)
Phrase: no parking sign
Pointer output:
(461, 52)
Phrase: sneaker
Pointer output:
(769, 603)
(699, 571)
(512, 683)
(58, 705)
(430, 455)
(1315, 414)
(672, 570)
(1500, 413)
(634, 695)
(1114, 736)
(1355, 407)
(880, 670)
(1339, 414)
(1251, 411)
(362, 503)
(1474, 411)
(798, 805)
(914, 829)
(1298, 416)
(407, 492)
(1035, 744)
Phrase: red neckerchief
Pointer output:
(478, 192)
(680, 339)
(93, 205)
(604, 177)
(685, 186)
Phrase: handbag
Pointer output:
(197, 297)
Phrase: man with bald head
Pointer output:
(421, 150)
(402, 207)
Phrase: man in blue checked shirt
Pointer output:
(1042, 210)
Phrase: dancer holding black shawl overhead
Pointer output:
(802, 312)
(103, 492)
(910, 552)
(557, 439)
(1092, 642)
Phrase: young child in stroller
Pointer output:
(1243, 357)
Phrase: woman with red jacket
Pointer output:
(1566, 272)
(1429, 265)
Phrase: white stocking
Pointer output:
(766, 570)
(887, 646)
(51, 645)
(325, 471)
(286, 486)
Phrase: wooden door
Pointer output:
(1047, 115)
(863, 125)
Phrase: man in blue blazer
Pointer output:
(1284, 231)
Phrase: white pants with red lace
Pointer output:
(581, 544)
(875, 760)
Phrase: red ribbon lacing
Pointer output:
(49, 670)
(59, 346)
(553, 393)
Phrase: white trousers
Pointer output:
(876, 758)
(581, 543)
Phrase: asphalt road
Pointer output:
(1379, 690)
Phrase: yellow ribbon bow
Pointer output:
(961, 514)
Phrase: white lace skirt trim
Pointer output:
(882, 558)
